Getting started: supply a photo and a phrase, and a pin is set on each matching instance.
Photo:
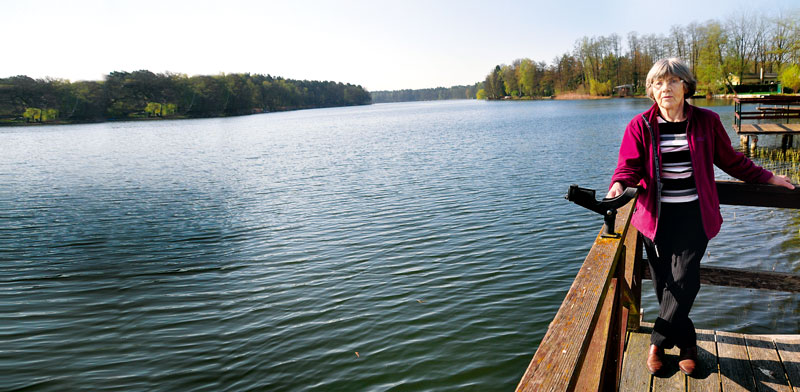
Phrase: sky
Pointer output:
(380, 45)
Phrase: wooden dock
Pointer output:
(596, 341)
(778, 109)
(726, 362)
(770, 107)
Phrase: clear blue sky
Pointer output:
(377, 44)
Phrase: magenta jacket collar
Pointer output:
(709, 145)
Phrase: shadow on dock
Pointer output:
(726, 362)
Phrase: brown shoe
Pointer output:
(655, 360)
(688, 360)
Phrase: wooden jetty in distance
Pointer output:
(597, 341)
(770, 107)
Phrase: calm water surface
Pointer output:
(403, 247)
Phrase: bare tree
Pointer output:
(741, 35)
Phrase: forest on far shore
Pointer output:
(725, 56)
(426, 94)
(144, 94)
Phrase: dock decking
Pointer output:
(767, 129)
(783, 109)
(727, 362)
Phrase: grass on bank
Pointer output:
(779, 162)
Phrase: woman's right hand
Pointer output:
(780, 180)
(615, 190)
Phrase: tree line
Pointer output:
(142, 94)
(427, 94)
(719, 53)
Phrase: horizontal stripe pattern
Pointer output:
(681, 196)
(679, 184)
(677, 175)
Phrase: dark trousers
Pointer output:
(674, 257)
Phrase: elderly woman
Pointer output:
(670, 152)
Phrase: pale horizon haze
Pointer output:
(380, 45)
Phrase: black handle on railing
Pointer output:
(585, 197)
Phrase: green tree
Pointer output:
(711, 71)
(510, 82)
(32, 115)
(790, 77)
(526, 75)
(494, 84)
(599, 88)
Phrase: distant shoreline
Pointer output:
(563, 97)
(18, 123)
(576, 96)
(144, 95)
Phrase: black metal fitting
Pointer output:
(585, 197)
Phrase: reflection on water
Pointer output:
(411, 246)
(716, 102)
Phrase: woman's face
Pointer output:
(668, 92)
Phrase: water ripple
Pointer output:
(418, 246)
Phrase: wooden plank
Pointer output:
(793, 339)
(773, 128)
(621, 332)
(789, 352)
(635, 376)
(764, 280)
(671, 378)
(777, 109)
(767, 369)
(761, 195)
(761, 129)
(612, 366)
(781, 128)
(772, 112)
(767, 115)
(770, 99)
(630, 282)
(732, 277)
(591, 371)
(562, 349)
(633, 276)
(735, 372)
(706, 375)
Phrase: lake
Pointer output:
(393, 247)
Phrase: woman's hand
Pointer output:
(781, 181)
(617, 190)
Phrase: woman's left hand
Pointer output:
(780, 181)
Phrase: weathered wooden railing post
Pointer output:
(586, 333)
(631, 273)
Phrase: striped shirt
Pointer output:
(677, 176)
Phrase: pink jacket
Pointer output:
(709, 145)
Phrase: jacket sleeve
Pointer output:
(630, 164)
(734, 162)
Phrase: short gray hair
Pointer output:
(672, 66)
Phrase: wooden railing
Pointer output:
(785, 108)
(584, 344)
